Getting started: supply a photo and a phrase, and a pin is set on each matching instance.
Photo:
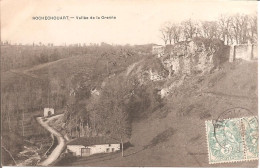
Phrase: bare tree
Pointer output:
(224, 24)
(164, 35)
(239, 26)
(169, 31)
(252, 28)
(209, 29)
(175, 33)
(190, 29)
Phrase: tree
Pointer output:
(224, 24)
(252, 28)
(164, 35)
(169, 31)
(209, 29)
(112, 116)
(240, 28)
(190, 29)
(176, 29)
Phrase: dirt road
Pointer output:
(61, 141)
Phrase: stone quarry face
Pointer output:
(197, 56)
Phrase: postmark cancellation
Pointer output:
(232, 140)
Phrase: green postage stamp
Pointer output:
(232, 140)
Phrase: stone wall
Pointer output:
(246, 52)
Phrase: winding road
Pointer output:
(61, 141)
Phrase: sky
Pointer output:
(137, 22)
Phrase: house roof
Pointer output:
(88, 141)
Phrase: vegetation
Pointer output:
(237, 29)
(118, 101)
(68, 83)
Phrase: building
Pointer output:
(48, 112)
(86, 146)
(158, 50)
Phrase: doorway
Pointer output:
(85, 151)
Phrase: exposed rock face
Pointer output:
(196, 56)
(147, 70)
(183, 59)
(155, 76)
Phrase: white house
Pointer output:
(48, 112)
(86, 146)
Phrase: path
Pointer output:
(27, 72)
(61, 141)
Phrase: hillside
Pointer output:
(165, 108)
(174, 135)
(30, 88)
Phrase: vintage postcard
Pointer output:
(148, 83)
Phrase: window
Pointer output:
(107, 150)
(113, 149)
(109, 145)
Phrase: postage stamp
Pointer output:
(232, 140)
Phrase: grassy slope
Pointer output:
(176, 137)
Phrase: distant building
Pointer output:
(48, 112)
(158, 50)
(86, 146)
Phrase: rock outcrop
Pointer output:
(147, 70)
(187, 58)
(199, 55)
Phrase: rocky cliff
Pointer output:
(182, 60)
(196, 56)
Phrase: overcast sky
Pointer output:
(137, 22)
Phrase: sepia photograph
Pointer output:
(133, 83)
